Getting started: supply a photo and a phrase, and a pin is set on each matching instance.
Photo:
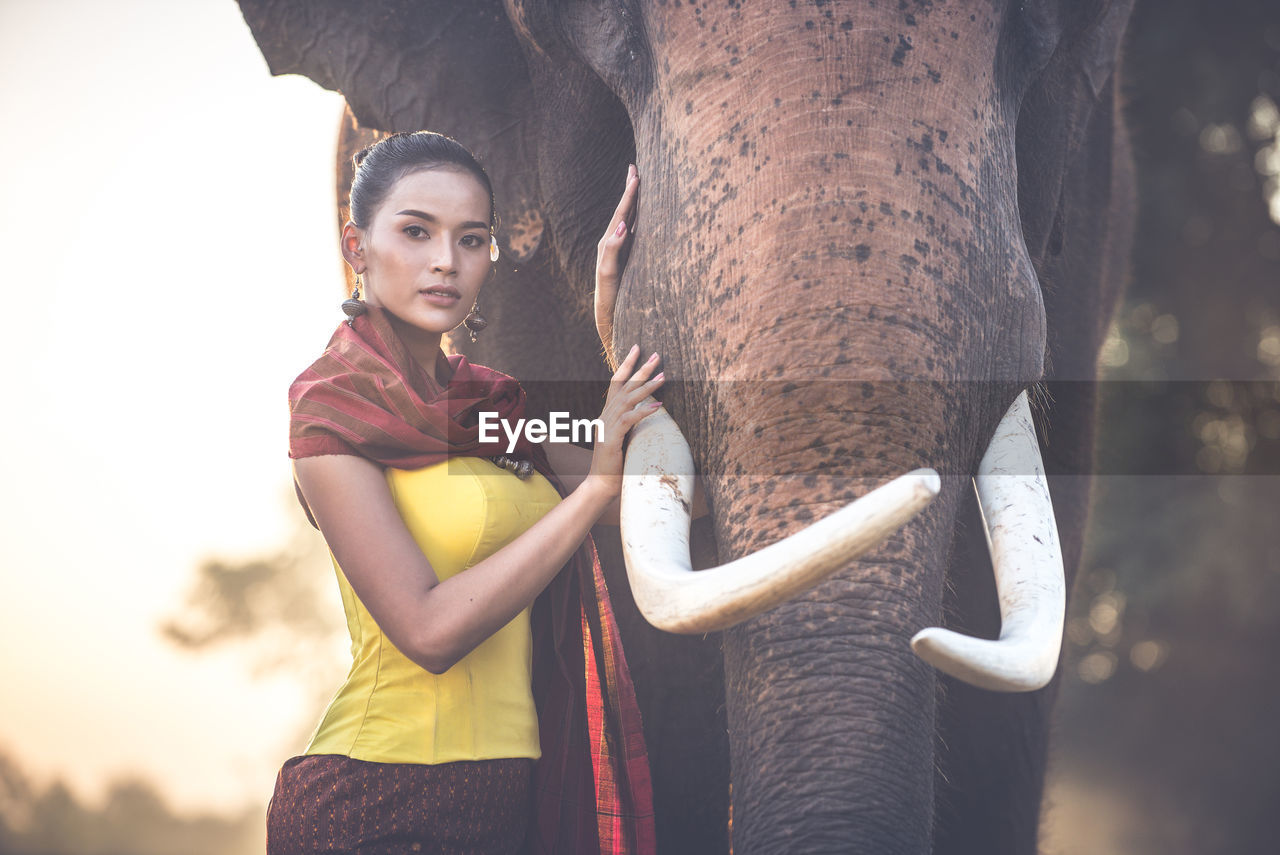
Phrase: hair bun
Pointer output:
(358, 157)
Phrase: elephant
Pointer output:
(864, 230)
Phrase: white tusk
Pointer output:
(657, 494)
(1023, 539)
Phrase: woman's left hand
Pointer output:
(611, 258)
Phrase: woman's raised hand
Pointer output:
(611, 258)
(628, 402)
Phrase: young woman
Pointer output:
(472, 720)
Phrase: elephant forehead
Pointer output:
(881, 116)
(848, 189)
(840, 46)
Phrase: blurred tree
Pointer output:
(1207, 258)
(282, 610)
(134, 821)
(1165, 707)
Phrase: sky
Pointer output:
(173, 265)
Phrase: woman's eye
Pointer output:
(415, 231)
(472, 241)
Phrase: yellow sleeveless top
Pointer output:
(392, 710)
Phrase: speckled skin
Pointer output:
(863, 228)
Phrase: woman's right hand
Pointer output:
(626, 404)
(611, 259)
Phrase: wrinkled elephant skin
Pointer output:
(864, 228)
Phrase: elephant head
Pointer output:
(866, 229)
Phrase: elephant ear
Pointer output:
(445, 66)
(605, 35)
(1056, 112)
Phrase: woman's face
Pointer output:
(426, 250)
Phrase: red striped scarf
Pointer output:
(366, 395)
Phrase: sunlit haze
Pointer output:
(172, 265)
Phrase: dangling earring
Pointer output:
(354, 306)
(474, 321)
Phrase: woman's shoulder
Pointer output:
(332, 362)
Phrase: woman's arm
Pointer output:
(571, 464)
(611, 257)
(436, 623)
(569, 461)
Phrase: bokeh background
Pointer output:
(170, 625)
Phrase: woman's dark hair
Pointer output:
(379, 165)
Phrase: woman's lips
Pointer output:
(442, 295)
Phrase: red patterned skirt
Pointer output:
(331, 803)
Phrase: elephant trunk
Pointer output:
(832, 716)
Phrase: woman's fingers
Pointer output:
(641, 376)
(620, 418)
(624, 368)
(639, 411)
(612, 246)
(624, 378)
(622, 213)
(630, 385)
(618, 382)
(646, 388)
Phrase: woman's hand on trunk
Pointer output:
(629, 400)
(611, 258)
